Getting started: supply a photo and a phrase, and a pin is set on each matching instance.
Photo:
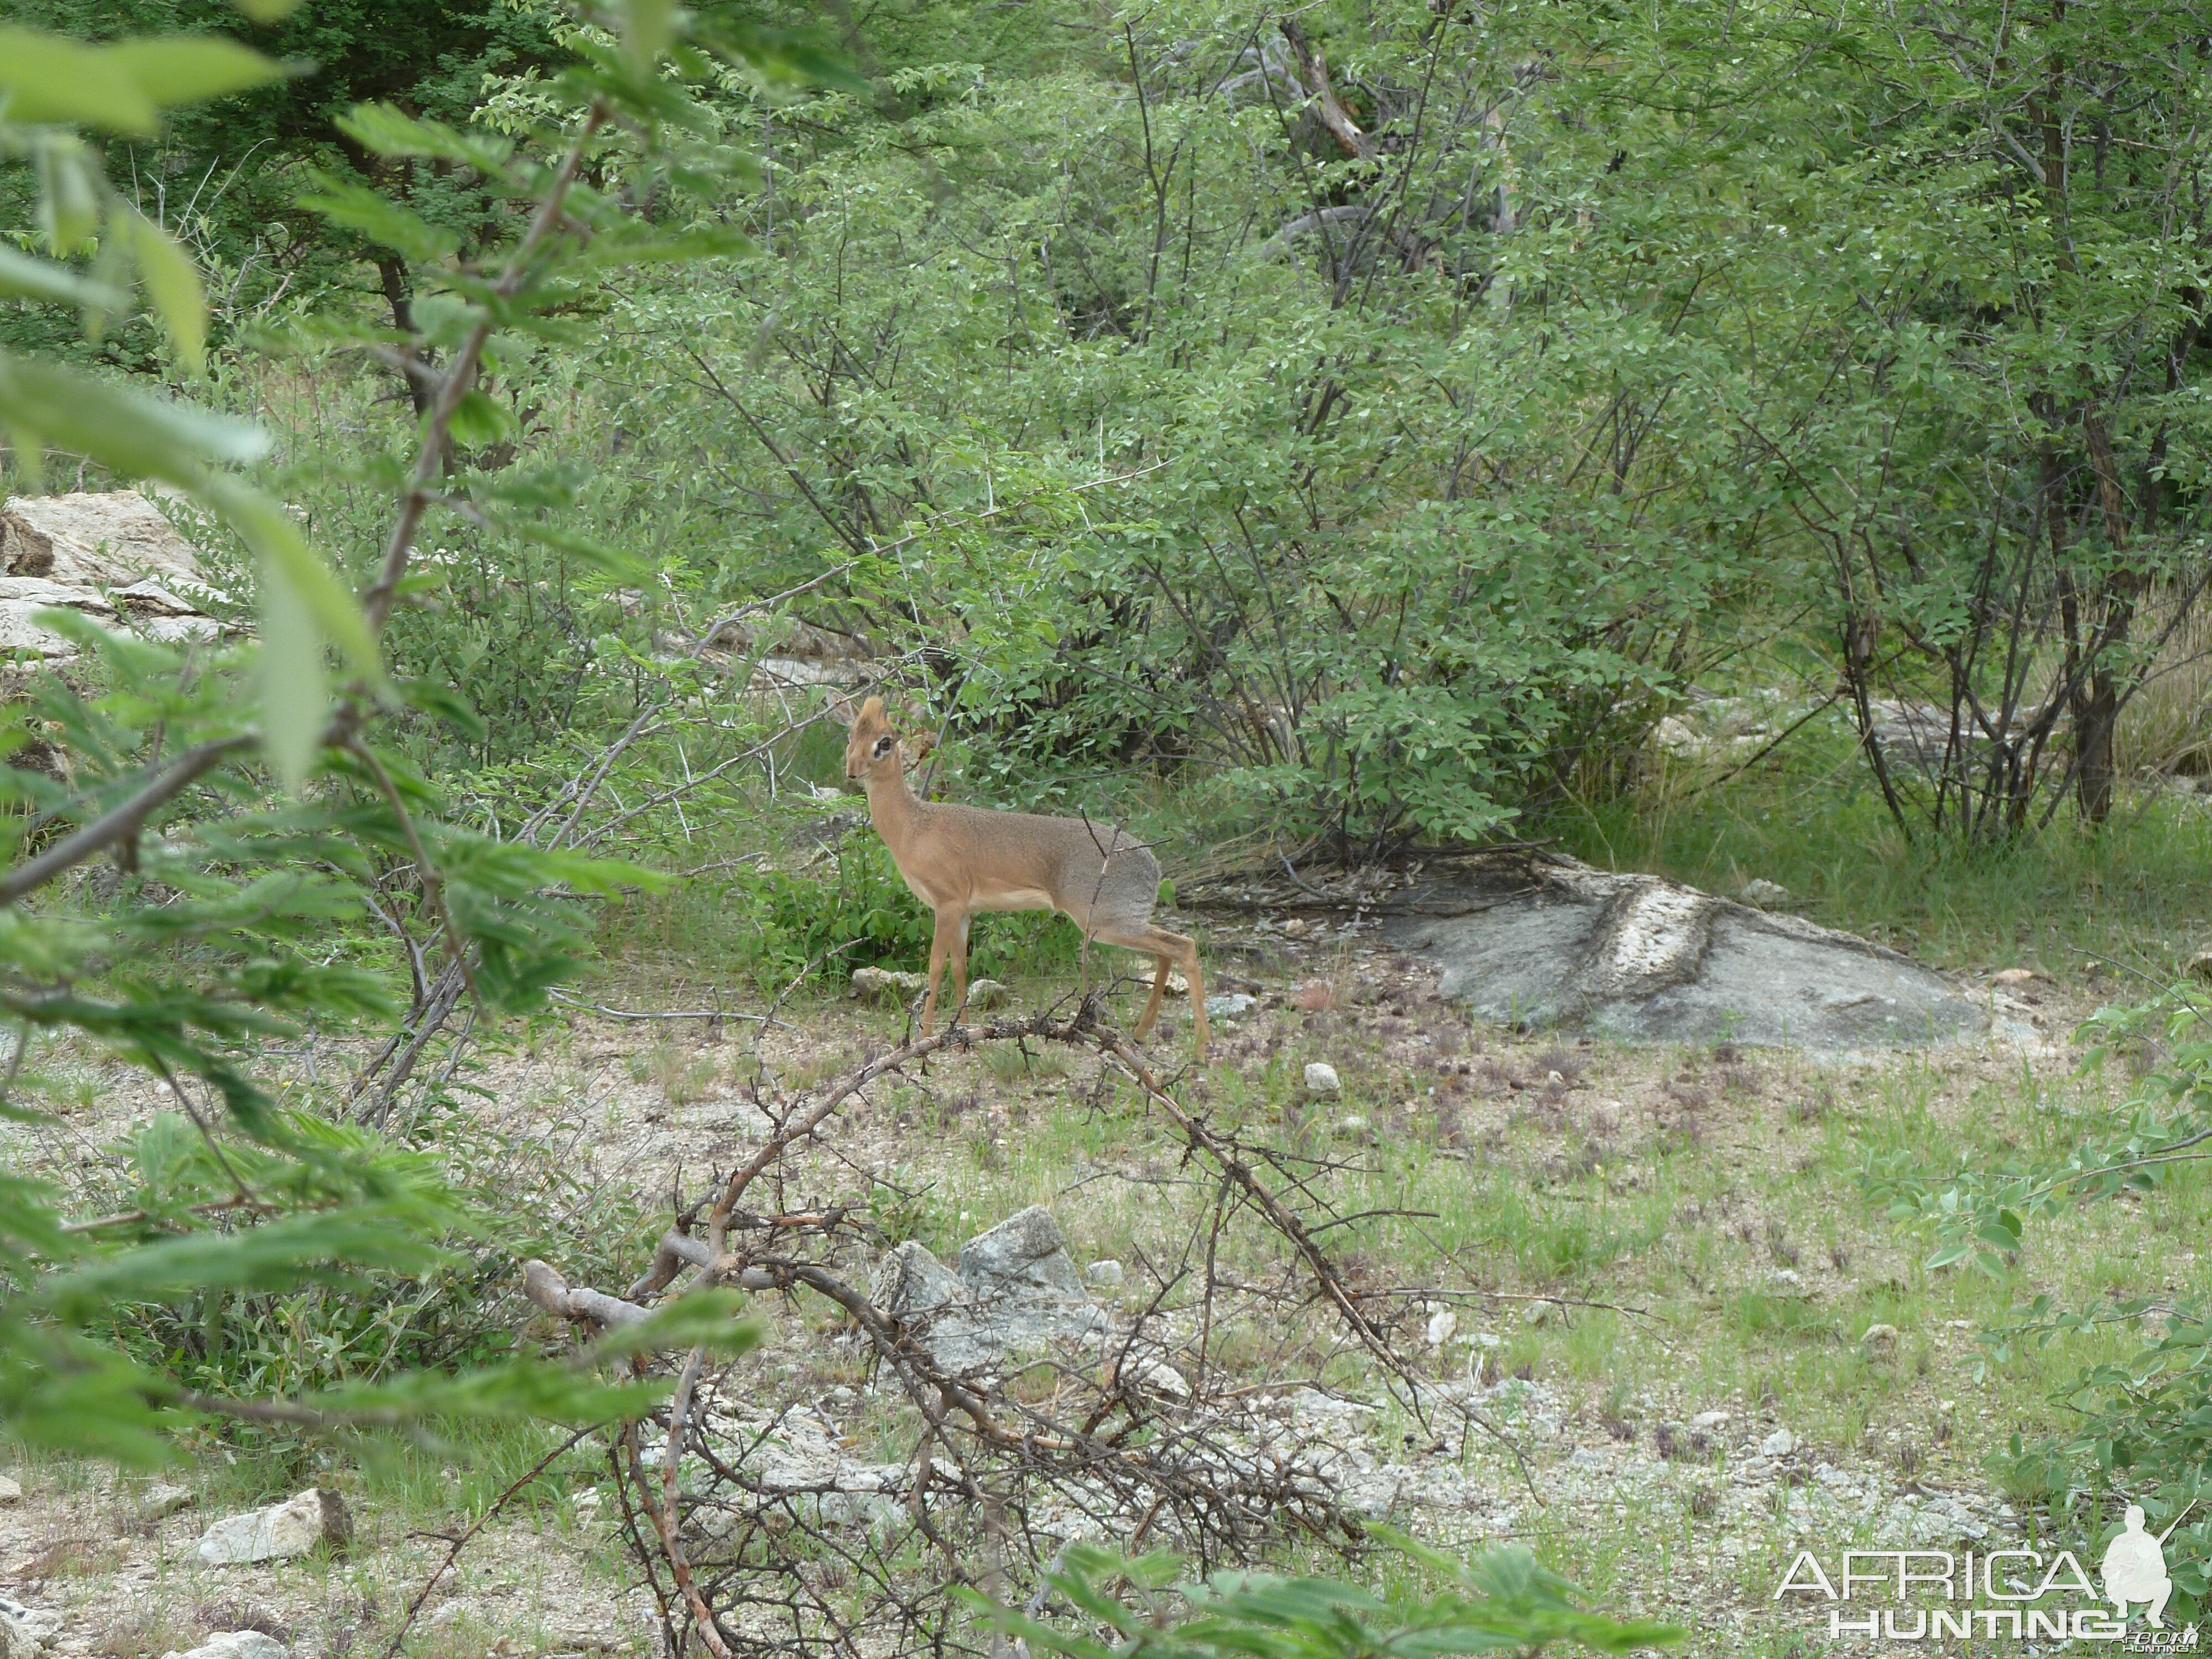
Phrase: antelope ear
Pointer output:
(842, 709)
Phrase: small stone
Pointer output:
(235, 1644)
(1229, 1005)
(1488, 1339)
(1762, 895)
(1352, 1126)
(984, 994)
(1710, 1420)
(11, 1490)
(1536, 1313)
(162, 1498)
(1296, 927)
(1146, 1372)
(2011, 976)
(1177, 985)
(1780, 1443)
(887, 985)
(586, 1504)
(317, 1515)
(1879, 1338)
(1945, 1408)
(1443, 1324)
(1788, 1278)
(1321, 1077)
(1107, 1273)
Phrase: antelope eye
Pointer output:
(882, 747)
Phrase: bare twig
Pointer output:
(491, 1513)
(461, 375)
(683, 1013)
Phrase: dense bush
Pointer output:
(281, 862)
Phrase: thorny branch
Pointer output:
(758, 1559)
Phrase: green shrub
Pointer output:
(1503, 1599)
(773, 925)
(2140, 1430)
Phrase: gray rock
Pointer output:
(1780, 1443)
(162, 1498)
(235, 1644)
(1321, 1077)
(1229, 1005)
(1017, 1292)
(150, 599)
(279, 1531)
(1146, 1371)
(1106, 1274)
(984, 994)
(1762, 895)
(910, 1280)
(11, 1490)
(24, 1631)
(888, 984)
(796, 1452)
(1879, 1338)
(1553, 942)
(21, 630)
(1025, 1254)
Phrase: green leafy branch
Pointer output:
(1141, 1608)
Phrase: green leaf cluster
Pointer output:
(1141, 1609)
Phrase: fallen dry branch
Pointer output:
(761, 1534)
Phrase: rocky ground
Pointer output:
(1647, 1268)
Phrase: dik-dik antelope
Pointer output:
(962, 860)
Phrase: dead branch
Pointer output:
(761, 1553)
(542, 1285)
(1313, 72)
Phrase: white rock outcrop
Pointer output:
(278, 1531)
(109, 554)
(235, 1644)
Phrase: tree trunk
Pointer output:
(392, 271)
(2098, 712)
